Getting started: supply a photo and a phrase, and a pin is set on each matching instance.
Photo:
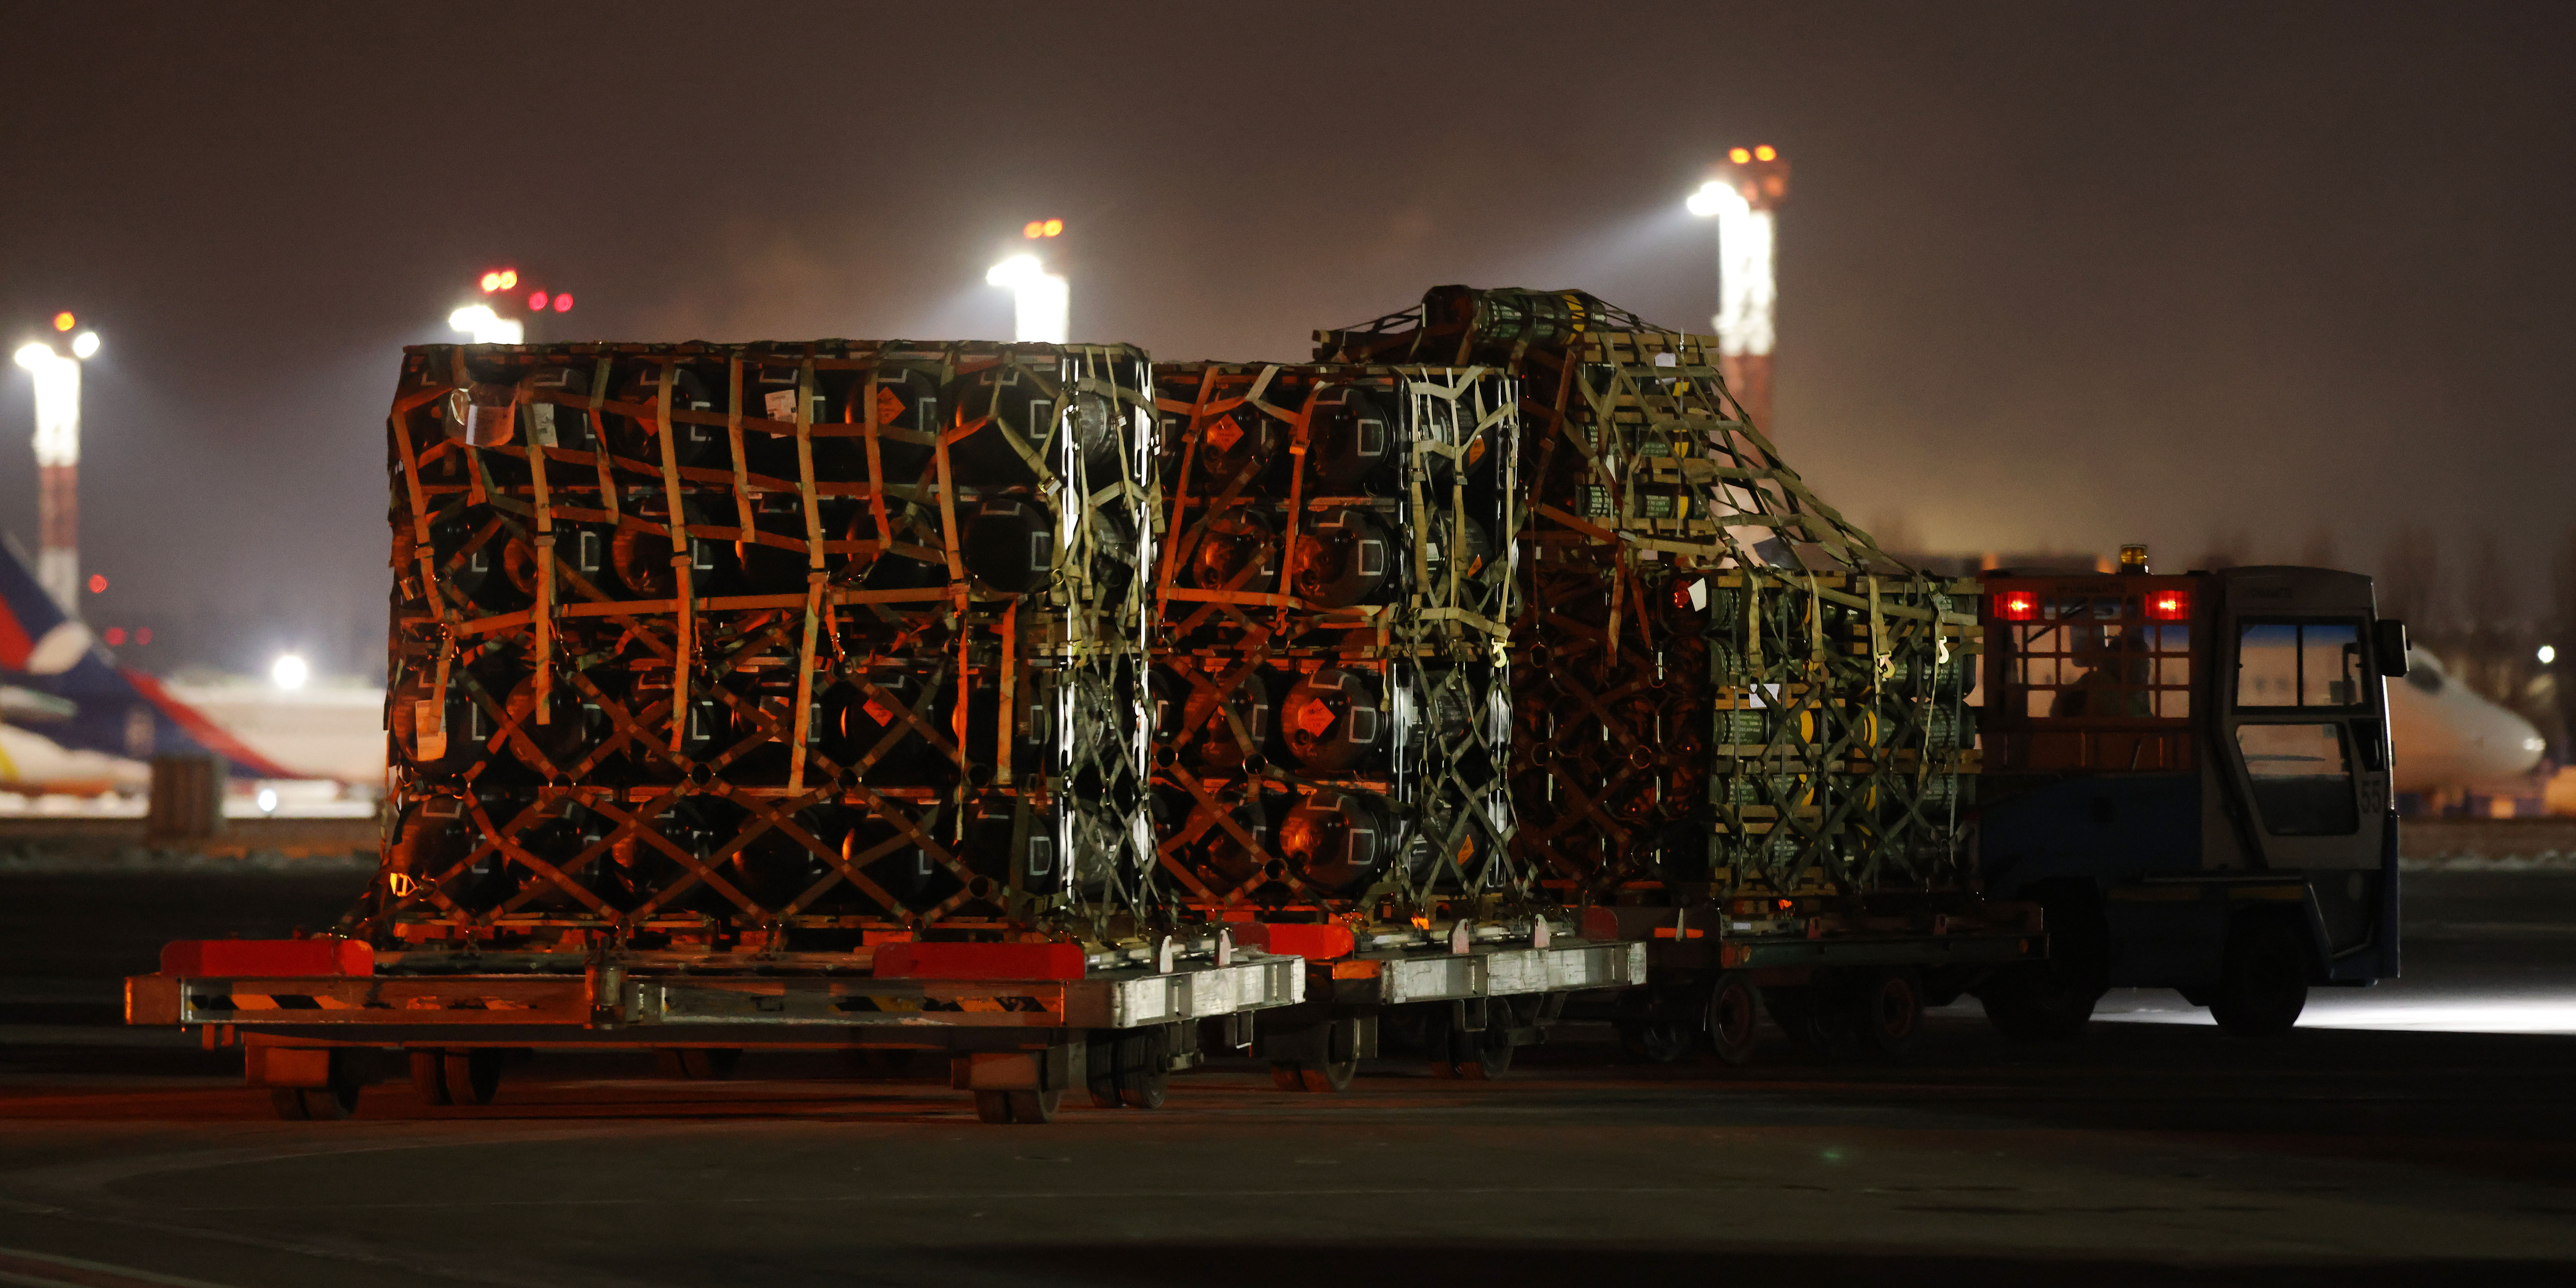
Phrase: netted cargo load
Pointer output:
(1721, 686)
(777, 647)
(1333, 594)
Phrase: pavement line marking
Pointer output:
(49, 1270)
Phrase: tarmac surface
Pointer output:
(2421, 1132)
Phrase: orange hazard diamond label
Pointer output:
(1315, 718)
(1225, 435)
(889, 406)
(878, 712)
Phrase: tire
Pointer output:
(1806, 1015)
(1887, 1011)
(1341, 1061)
(289, 1104)
(1660, 1042)
(1145, 1068)
(2052, 1000)
(1035, 1106)
(993, 1106)
(707, 1064)
(2264, 984)
(429, 1077)
(1100, 1069)
(1483, 1056)
(470, 1077)
(1733, 1019)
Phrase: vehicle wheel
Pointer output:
(1341, 1061)
(993, 1106)
(1733, 1020)
(1887, 1010)
(1100, 1068)
(708, 1064)
(1145, 1068)
(1806, 1016)
(1035, 1106)
(1482, 1056)
(289, 1103)
(2052, 1000)
(2264, 984)
(1660, 1042)
(429, 1077)
(470, 1077)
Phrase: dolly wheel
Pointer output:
(471, 1077)
(2265, 980)
(1484, 1056)
(1035, 1106)
(289, 1103)
(1888, 1010)
(1287, 1075)
(1341, 1061)
(429, 1077)
(1733, 1020)
(993, 1106)
(1145, 1068)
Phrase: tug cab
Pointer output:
(2191, 775)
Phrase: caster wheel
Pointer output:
(1035, 1106)
(1733, 1020)
(471, 1077)
(429, 1077)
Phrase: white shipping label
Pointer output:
(429, 732)
(781, 404)
(541, 424)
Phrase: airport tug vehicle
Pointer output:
(2191, 775)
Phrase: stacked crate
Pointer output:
(1722, 688)
(1333, 595)
(774, 648)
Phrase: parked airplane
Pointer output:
(98, 707)
(2447, 738)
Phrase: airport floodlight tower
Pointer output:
(1041, 302)
(1743, 195)
(58, 390)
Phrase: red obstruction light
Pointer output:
(536, 301)
(114, 635)
(98, 583)
(563, 302)
(2017, 606)
(2169, 606)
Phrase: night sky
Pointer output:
(2051, 276)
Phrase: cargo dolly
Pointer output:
(1020, 1023)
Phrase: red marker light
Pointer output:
(98, 583)
(2017, 606)
(2169, 606)
(536, 301)
(142, 634)
(563, 302)
(491, 282)
(114, 635)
